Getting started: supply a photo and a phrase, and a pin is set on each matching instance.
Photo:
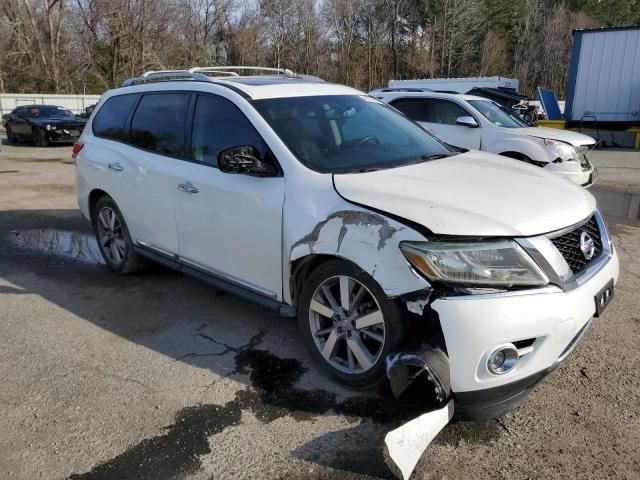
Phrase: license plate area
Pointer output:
(603, 298)
(74, 133)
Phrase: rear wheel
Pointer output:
(348, 324)
(113, 238)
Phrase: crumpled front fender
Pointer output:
(368, 239)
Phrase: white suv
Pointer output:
(321, 202)
(476, 123)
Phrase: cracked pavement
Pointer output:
(157, 375)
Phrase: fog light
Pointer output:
(503, 360)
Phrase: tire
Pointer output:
(11, 137)
(339, 334)
(40, 138)
(114, 239)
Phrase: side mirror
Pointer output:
(467, 122)
(244, 159)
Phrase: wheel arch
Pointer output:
(516, 155)
(95, 195)
(302, 267)
(530, 147)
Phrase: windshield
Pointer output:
(496, 114)
(348, 133)
(46, 111)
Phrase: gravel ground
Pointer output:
(158, 376)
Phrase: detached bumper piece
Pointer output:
(420, 373)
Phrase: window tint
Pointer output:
(347, 133)
(110, 120)
(443, 111)
(217, 125)
(411, 107)
(158, 123)
(48, 111)
(431, 110)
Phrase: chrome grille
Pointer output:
(569, 245)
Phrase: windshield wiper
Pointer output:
(431, 156)
(421, 159)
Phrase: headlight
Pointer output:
(47, 127)
(563, 150)
(499, 263)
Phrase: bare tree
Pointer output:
(73, 45)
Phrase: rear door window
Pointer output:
(112, 117)
(430, 110)
(158, 123)
(217, 125)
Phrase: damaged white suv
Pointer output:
(476, 123)
(321, 202)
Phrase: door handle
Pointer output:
(187, 188)
(116, 166)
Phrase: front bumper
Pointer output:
(574, 171)
(64, 135)
(475, 325)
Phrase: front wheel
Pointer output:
(11, 137)
(40, 138)
(348, 324)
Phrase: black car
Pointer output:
(44, 124)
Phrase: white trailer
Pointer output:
(603, 87)
(458, 85)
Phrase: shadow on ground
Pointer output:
(141, 307)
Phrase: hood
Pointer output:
(474, 194)
(574, 138)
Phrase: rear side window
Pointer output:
(112, 117)
(158, 123)
(217, 125)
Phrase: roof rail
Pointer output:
(219, 71)
(202, 74)
(232, 69)
(165, 76)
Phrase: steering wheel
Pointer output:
(370, 138)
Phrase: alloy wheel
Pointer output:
(111, 236)
(347, 324)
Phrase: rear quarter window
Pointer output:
(110, 120)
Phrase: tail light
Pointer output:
(76, 150)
